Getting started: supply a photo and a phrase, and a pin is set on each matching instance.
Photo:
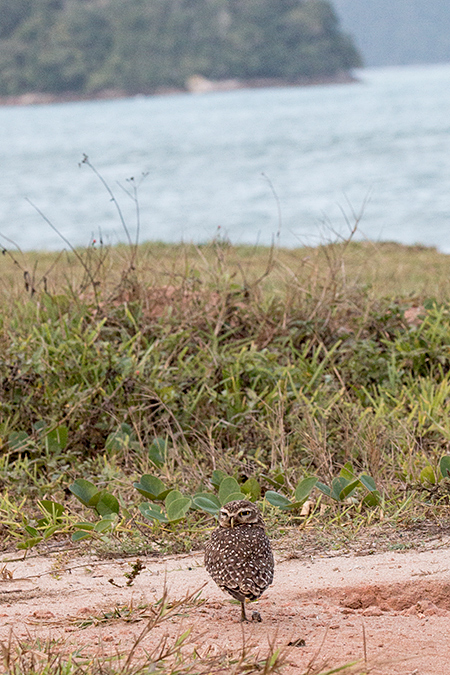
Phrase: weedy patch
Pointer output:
(148, 371)
(169, 510)
(171, 655)
(47, 657)
(162, 610)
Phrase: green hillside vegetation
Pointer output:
(138, 46)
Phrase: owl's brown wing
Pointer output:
(240, 561)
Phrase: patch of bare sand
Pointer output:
(393, 607)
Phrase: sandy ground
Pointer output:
(391, 609)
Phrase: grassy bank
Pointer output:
(272, 364)
(188, 364)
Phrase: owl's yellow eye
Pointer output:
(244, 513)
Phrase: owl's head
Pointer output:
(240, 512)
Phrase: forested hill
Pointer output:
(139, 46)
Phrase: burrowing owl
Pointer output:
(238, 555)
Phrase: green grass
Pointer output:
(265, 363)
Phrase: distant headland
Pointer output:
(55, 51)
(197, 84)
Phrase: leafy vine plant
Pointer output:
(170, 506)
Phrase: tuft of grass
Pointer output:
(169, 657)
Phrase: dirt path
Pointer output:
(393, 607)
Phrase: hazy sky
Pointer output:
(398, 32)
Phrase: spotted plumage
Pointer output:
(238, 555)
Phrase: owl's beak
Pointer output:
(232, 521)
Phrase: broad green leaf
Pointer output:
(277, 481)
(278, 500)
(347, 471)
(44, 522)
(79, 535)
(103, 525)
(171, 497)
(368, 482)
(84, 526)
(51, 531)
(29, 543)
(153, 512)
(444, 466)
(233, 497)
(83, 490)
(337, 485)
(323, 488)
(217, 477)
(427, 475)
(206, 502)
(297, 505)
(94, 500)
(177, 509)
(227, 487)
(56, 439)
(349, 489)
(372, 499)
(107, 504)
(251, 489)
(157, 452)
(303, 489)
(31, 530)
(18, 440)
(53, 508)
(151, 487)
(40, 426)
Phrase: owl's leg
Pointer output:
(243, 614)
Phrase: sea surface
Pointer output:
(294, 165)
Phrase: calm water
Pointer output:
(209, 161)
